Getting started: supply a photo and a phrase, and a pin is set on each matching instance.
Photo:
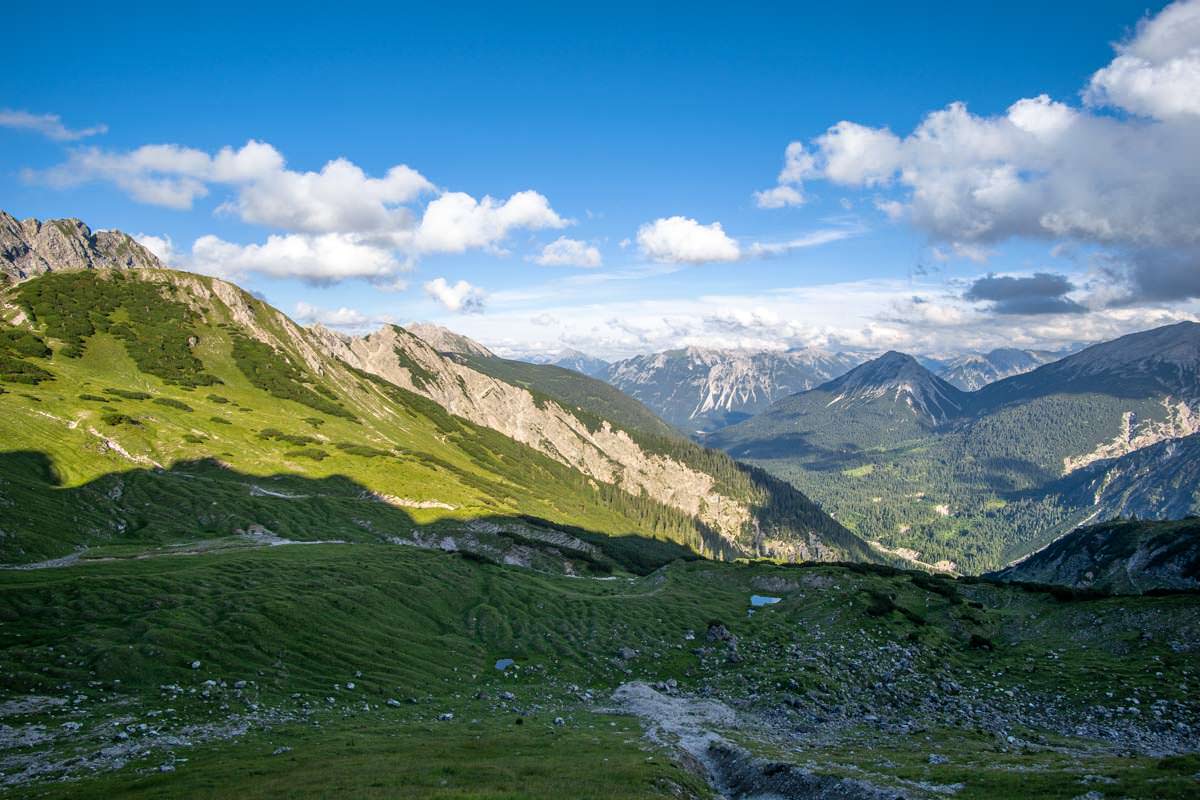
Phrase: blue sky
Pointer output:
(626, 134)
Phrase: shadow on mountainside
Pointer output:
(204, 499)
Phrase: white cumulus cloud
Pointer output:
(456, 222)
(779, 197)
(320, 258)
(564, 252)
(341, 197)
(1157, 73)
(1049, 169)
(343, 318)
(684, 240)
(165, 174)
(337, 222)
(161, 246)
(458, 297)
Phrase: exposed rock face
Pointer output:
(976, 370)
(698, 389)
(1122, 557)
(1161, 481)
(30, 247)
(444, 340)
(607, 454)
(1179, 420)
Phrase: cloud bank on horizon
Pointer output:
(1106, 184)
(1128, 181)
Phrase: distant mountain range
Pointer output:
(108, 362)
(573, 359)
(975, 370)
(980, 478)
(700, 390)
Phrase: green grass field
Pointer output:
(827, 679)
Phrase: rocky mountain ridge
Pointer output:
(1122, 556)
(446, 341)
(973, 371)
(601, 451)
(31, 247)
(702, 389)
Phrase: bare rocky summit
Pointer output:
(701, 389)
(447, 342)
(31, 247)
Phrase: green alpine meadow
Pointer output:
(600, 402)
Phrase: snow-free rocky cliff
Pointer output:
(607, 454)
(699, 389)
(31, 247)
(973, 371)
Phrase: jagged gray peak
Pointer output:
(901, 378)
(975, 370)
(703, 389)
(1161, 361)
(446, 341)
(33, 247)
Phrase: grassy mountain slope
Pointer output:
(151, 369)
(1001, 477)
(1124, 556)
(576, 391)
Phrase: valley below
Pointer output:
(240, 552)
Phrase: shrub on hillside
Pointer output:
(315, 453)
(158, 332)
(170, 402)
(117, 418)
(275, 434)
(129, 394)
(273, 372)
